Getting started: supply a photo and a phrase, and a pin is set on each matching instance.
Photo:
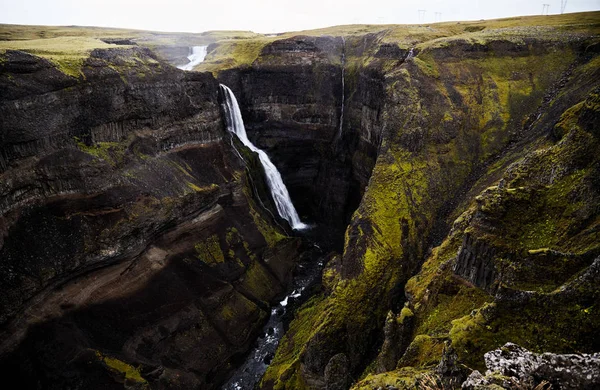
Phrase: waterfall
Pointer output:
(197, 55)
(281, 196)
(410, 54)
(343, 87)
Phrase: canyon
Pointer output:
(448, 174)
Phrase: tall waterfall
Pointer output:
(281, 196)
(197, 55)
(343, 87)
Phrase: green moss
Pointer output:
(283, 372)
(227, 313)
(233, 53)
(130, 373)
(271, 234)
(426, 65)
(541, 324)
(449, 307)
(404, 314)
(209, 251)
(195, 188)
(424, 351)
(111, 152)
(406, 378)
(258, 280)
(70, 66)
(444, 119)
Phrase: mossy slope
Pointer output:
(458, 111)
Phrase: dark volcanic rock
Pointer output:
(175, 55)
(132, 248)
(291, 100)
(119, 41)
(519, 367)
(475, 262)
(337, 373)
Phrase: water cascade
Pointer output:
(279, 192)
(197, 55)
(248, 374)
(343, 87)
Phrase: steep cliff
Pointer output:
(454, 166)
(433, 117)
(133, 246)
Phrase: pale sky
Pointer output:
(265, 16)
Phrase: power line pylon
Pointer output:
(563, 5)
(545, 9)
(421, 15)
(438, 17)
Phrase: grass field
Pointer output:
(65, 44)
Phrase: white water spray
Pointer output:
(197, 55)
(343, 87)
(281, 196)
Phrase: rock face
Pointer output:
(132, 248)
(176, 55)
(291, 100)
(474, 262)
(471, 134)
(467, 172)
(517, 366)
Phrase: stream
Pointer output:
(196, 56)
(306, 275)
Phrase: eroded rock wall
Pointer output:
(291, 99)
(133, 248)
(458, 111)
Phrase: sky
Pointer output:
(266, 16)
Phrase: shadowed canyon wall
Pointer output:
(133, 250)
(291, 98)
(423, 136)
(459, 183)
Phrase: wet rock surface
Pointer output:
(291, 102)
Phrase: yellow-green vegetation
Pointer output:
(446, 115)
(69, 46)
(449, 306)
(386, 218)
(542, 324)
(271, 234)
(285, 373)
(233, 54)
(234, 308)
(546, 194)
(236, 53)
(537, 216)
(412, 34)
(127, 371)
(111, 152)
(406, 378)
(439, 297)
(146, 38)
(209, 251)
(424, 351)
(196, 188)
(258, 280)
(494, 91)
(67, 53)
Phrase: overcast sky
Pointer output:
(264, 16)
